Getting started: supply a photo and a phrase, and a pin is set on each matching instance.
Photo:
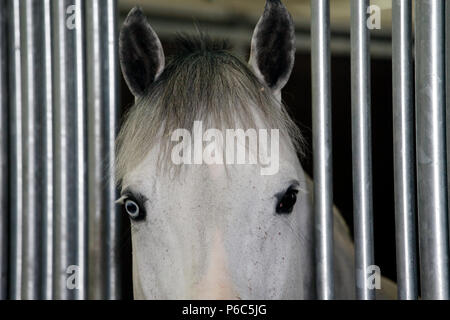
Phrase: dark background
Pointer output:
(297, 96)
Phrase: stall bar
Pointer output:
(361, 148)
(59, 98)
(404, 142)
(322, 144)
(4, 184)
(431, 149)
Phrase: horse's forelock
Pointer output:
(202, 82)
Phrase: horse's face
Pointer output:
(216, 232)
(221, 234)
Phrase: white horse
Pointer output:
(217, 231)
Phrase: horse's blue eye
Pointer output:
(134, 205)
(132, 209)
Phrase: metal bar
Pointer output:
(4, 184)
(102, 105)
(95, 174)
(16, 172)
(70, 151)
(32, 124)
(431, 153)
(404, 178)
(322, 143)
(47, 153)
(81, 133)
(113, 218)
(361, 144)
(447, 80)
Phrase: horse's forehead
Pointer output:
(217, 173)
(208, 178)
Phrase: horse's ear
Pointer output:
(273, 46)
(141, 53)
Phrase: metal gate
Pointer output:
(59, 98)
(58, 109)
(419, 146)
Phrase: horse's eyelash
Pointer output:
(136, 197)
(121, 200)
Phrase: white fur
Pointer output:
(214, 233)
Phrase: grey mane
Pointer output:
(205, 82)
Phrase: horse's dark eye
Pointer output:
(134, 210)
(287, 202)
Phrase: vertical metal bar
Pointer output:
(94, 102)
(431, 153)
(405, 190)
(16, 172)
(47, 153)
(104, 225)
(70, 151)
(32, 134)
(4, 184)
(113, 220)
(323, 162)
(447, 81)
(361, 144)
(81, 133)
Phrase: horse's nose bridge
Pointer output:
(215, 281)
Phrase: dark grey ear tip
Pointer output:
(275, 9)
(270, 3)
(278, 8)
(136, 15)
